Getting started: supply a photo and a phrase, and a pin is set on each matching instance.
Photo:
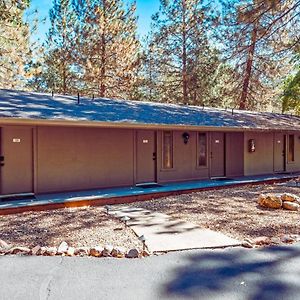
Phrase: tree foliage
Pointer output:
(180, 63)
(215, 53)
(257, 35)
(291, 89)
(14, 43)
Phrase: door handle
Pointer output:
(1, 164)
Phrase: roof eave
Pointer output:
(85, 123)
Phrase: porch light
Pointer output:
(186, 137)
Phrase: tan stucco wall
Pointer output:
(185, 159)
(260, 161)
(83, 158)
(234, 154)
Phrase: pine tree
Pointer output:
(182, 60)
(58, 73)
(257, 33)
(14, 43)
(108, 48)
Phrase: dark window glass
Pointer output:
(291, 156)
(202, 149)
(167, 150)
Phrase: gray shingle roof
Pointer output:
(37, 106)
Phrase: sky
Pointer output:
(145, 9)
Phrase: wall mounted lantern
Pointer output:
(251, 145)
(186, 137)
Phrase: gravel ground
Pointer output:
(85, 226)
(232, 211)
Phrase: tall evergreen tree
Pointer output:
(108, 47)
(14, 43)
(182, 61)
(58, 58)
(256, 36)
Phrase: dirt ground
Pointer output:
(232, 211)
(87, 226)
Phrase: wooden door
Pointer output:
(145, 156)
(279, 152)
(16, 160)
(217, 154)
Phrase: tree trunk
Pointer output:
(102, 91)
(64, 75)
(184, 55)
(248, 71)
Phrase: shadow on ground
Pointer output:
(270, 273)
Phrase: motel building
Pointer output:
(53, 144)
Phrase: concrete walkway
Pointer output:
(163, 233)
(130, 194)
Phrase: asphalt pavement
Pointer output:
(232, 273)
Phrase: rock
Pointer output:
(96, 251)
(290, 205)
(19, 250)
(71, 251)
(118, 252)
(51, 251)
(270, 201)
(145, 253)
(82, 251)
(262, 240)
(246, 244)
(275, 240)
(107, 250)
(132, 253)
(289, 197)
(3, 245)
(35, 250)
(249, 240)
(287, 239)
(62, 248)
(42, 251)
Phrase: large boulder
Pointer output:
(290, 197)
(270, 200)
(290, 205)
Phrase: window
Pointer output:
(202, 149)
(167, 155)
(291, 148)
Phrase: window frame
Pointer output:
(198, 166)
(163, 168)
